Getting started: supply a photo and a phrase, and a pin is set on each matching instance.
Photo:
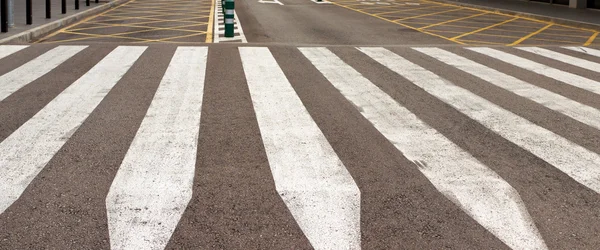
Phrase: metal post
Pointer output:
(229, 17)
(63, 6)
(76, 4)
(28, 12)
(3, 16)
(96, 1)
(48, 9)
(87, 2)
(11, 13)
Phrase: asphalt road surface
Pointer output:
(328, 129)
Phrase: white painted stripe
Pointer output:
(475, 188)
(563, 58)
(309, 176)
(154, 183)
(27, 150)
(6, 50)
(36, 68)
(579, 163)
(586, 50)
(556, 102)
(559, 75)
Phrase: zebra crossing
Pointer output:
(153, 147)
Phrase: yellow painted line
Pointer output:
(401, 24)
(591, 40)
(428, 14)
(480, 42)
(483, 29)
(404, 10)
(530, 35)
(170, 38)
(164, 20)
(209, 28)
(183, 20)
(77, 23)
(120, 18)
(453, 20)
(155, 12)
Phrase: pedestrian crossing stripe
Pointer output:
(156, 176)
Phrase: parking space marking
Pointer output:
(468, 25)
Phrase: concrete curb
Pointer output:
(40, 31)
(568, 22)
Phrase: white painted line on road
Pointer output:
(475, 188)
(563, 76)
(154, 183)
(563, 58)
(585, 50)
(272, 1)
(551, 100)
(27, 150)
(6, 50)
(579, 163)
(310, 178)
(321, 2)
(36, 68)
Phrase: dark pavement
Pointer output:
(339, 125)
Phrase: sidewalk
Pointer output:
(39, 14)
(549, 12)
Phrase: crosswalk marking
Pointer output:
(563, 58)
(310, 178)
(150, 192)
(585, 50)
(6, 50)
(573, 109)
(482, 194)
(566, 77)
(35, 68)
(572, 159)
(27, 150)
(154, 183)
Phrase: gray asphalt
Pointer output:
(235, 204)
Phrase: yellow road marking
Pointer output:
(591, 40)
(530, 35)
(401, 24)
(483, 29)
(480, 42)
(209, 30)
(164, 20)
(107, 25)
(156, 12)
(404, 10)
(428, 14)
(453, 20)
(77, 23)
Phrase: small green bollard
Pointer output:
(229, 16)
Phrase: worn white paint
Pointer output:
(559, 75)
(475, 188)
(27, 150)
(6, 50)
(579, 163)
(154, 183)
(36, 68)
(551, 100)
(310, 178)
(585, 50)
(589, 65)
